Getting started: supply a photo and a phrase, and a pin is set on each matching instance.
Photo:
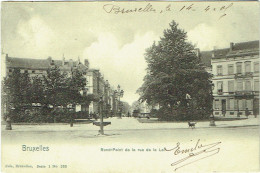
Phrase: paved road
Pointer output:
(80, 147)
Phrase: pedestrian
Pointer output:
(95, 115)
(247, 113)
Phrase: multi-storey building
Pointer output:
(39, 67)
(98, 87)
(236, 79)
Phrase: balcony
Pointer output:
(245, 94)
(245, 75)
(220, 92)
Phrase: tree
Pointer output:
(76, 85)
(56, 89)
(17, 88)
(37, 91)
(125, 107)
(176, 79)
(136, 105)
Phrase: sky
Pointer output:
(116, 43)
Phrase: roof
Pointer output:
(246, 45)
(220, 53)
(237, 49)
(27, 63)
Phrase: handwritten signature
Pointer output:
(149, 8)
(196, 153)
(110, 8)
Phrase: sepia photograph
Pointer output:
(130, 87)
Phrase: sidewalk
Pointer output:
(133, 124)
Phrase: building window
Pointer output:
(249, 104)
(231, 86)
(256, 85)
(220, 87)
(241, 104)
(239, 67)
(239, 86)
(231, 104)
(219, 70)
(247, 66)
(217, 104)
(33, 71)
(256, 67)
(248, 85)
(230, 69)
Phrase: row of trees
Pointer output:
(52, 92)
(176, 80)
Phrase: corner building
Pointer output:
(236, 79)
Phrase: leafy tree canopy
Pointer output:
(175, 74)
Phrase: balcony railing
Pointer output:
(239, 93)
(245, 75)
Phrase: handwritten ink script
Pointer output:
(198, 152)
(150, 8)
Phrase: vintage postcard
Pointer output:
(129, 87)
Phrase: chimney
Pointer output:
(70, 63)
(198, 52)
(213, 54)
(86, 63)
(231, 46)
(49, 59)
(63, 60)
(78, 60)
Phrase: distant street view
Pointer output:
(173, 79)
(182, 84)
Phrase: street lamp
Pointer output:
(119, 93)
(8, 112)
(212, 120)
(101, 131)
(101, 123)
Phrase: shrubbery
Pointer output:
(181, 114)
(44, 115)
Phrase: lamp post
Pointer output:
(8, 112)
(119, 93)
(188, 100)
(212, 120)
(71, 114)
(101, 131)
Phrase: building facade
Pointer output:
(39, 67)
(96, 85)
(99, 88)
(236, 79)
